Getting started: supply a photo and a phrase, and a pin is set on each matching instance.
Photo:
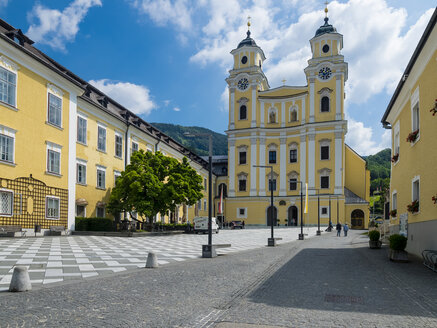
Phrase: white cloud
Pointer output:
(224, 100)
(132, 96)
(56, 28)
(361, 138)
(176, 109)
(163, 12)
(3, 3)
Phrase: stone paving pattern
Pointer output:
(56, 259)
(325, 281)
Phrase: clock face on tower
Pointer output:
(325, 73)
(243, 84)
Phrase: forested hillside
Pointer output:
(379, 166)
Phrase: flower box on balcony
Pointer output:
(393, 213)
(395, 158)
(413, 136)
(413, 207)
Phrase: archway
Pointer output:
(275, 216)
(357, 219)
(292, 216)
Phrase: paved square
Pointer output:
(55, 259)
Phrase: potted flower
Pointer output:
(393, 213)
(434, 109)
(395, 158)
(397, 248)
(374, 241)
(413, 136)
(413, 207)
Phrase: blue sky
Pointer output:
(167, 59)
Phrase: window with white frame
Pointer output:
(272, 153)
(101, 138)
(53, 158)
(324, 149)
(100, 211)
(81, 129)
(242, 155)
(324, 211)
(81, 211)
(324, 178)
(242, 212)
(8, 86)
(6, 202)
(272, 184)
(394, 201)
(415, 189)
(242, 182)
(81, 172)
(101, 177)
(54, 110)
(118, 145)
(292, 178)
(205, 184)
(396, 144)
(52, 208)
(293, 152)
(134, 147)
(6, 148)
(415, 123)
(204, 204)
(325, 94)
(117, 174)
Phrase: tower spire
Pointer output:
(326, 9)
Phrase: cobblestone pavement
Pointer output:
(323, 281)
(56, 259)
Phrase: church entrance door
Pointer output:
(292, 216)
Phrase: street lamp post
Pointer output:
(301, 235)
(207, 250)
(270, 241)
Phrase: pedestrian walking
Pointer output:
(243, 224)
(345, 229)
(338, 228)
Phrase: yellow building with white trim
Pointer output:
(299, 131)
(63, 142)
(410, 116)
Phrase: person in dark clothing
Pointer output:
(338, 228)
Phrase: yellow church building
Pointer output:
(289, 137)
(411, 116)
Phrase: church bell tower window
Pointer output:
(243, 112)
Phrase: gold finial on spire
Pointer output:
(283, 81)
(248, 22)
(326, 8)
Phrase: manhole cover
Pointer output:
(345, 299)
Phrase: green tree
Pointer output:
(154, 183)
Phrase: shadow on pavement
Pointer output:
(351, 279)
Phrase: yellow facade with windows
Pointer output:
(409, 115)
(291, 137)
(64, 142)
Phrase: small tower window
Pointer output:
(243, 112)
(244, 60)
(325, 48)
(325, 104)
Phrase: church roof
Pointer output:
(248, 41)
(326, 28)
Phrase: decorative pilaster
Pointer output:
(338, 97)
(253, 157)
(72, 159)
(312, 95)
(254, 101)
(311, 160)
(303, 156)
(338, 162)
(262, 171)
(261, 115)
(283, 166)
(231, 166)
(303, 117)
(232, 109)
(283, 118)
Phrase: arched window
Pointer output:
(325, 104)
(243, 112)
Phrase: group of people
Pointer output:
(338, 227)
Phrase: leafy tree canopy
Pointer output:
(153, 183)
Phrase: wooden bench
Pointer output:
(430, 259)
(10, 230)
(210, 250)
(56, 230)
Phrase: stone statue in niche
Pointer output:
(272, 117)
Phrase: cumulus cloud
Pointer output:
(361, 138)
(163, 12)
(176, 109)
(132, 96)
(56, 28)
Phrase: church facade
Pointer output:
(290, 138)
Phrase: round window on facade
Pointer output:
(325, 48)
(244, 60)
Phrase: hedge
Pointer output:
(94, 224)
